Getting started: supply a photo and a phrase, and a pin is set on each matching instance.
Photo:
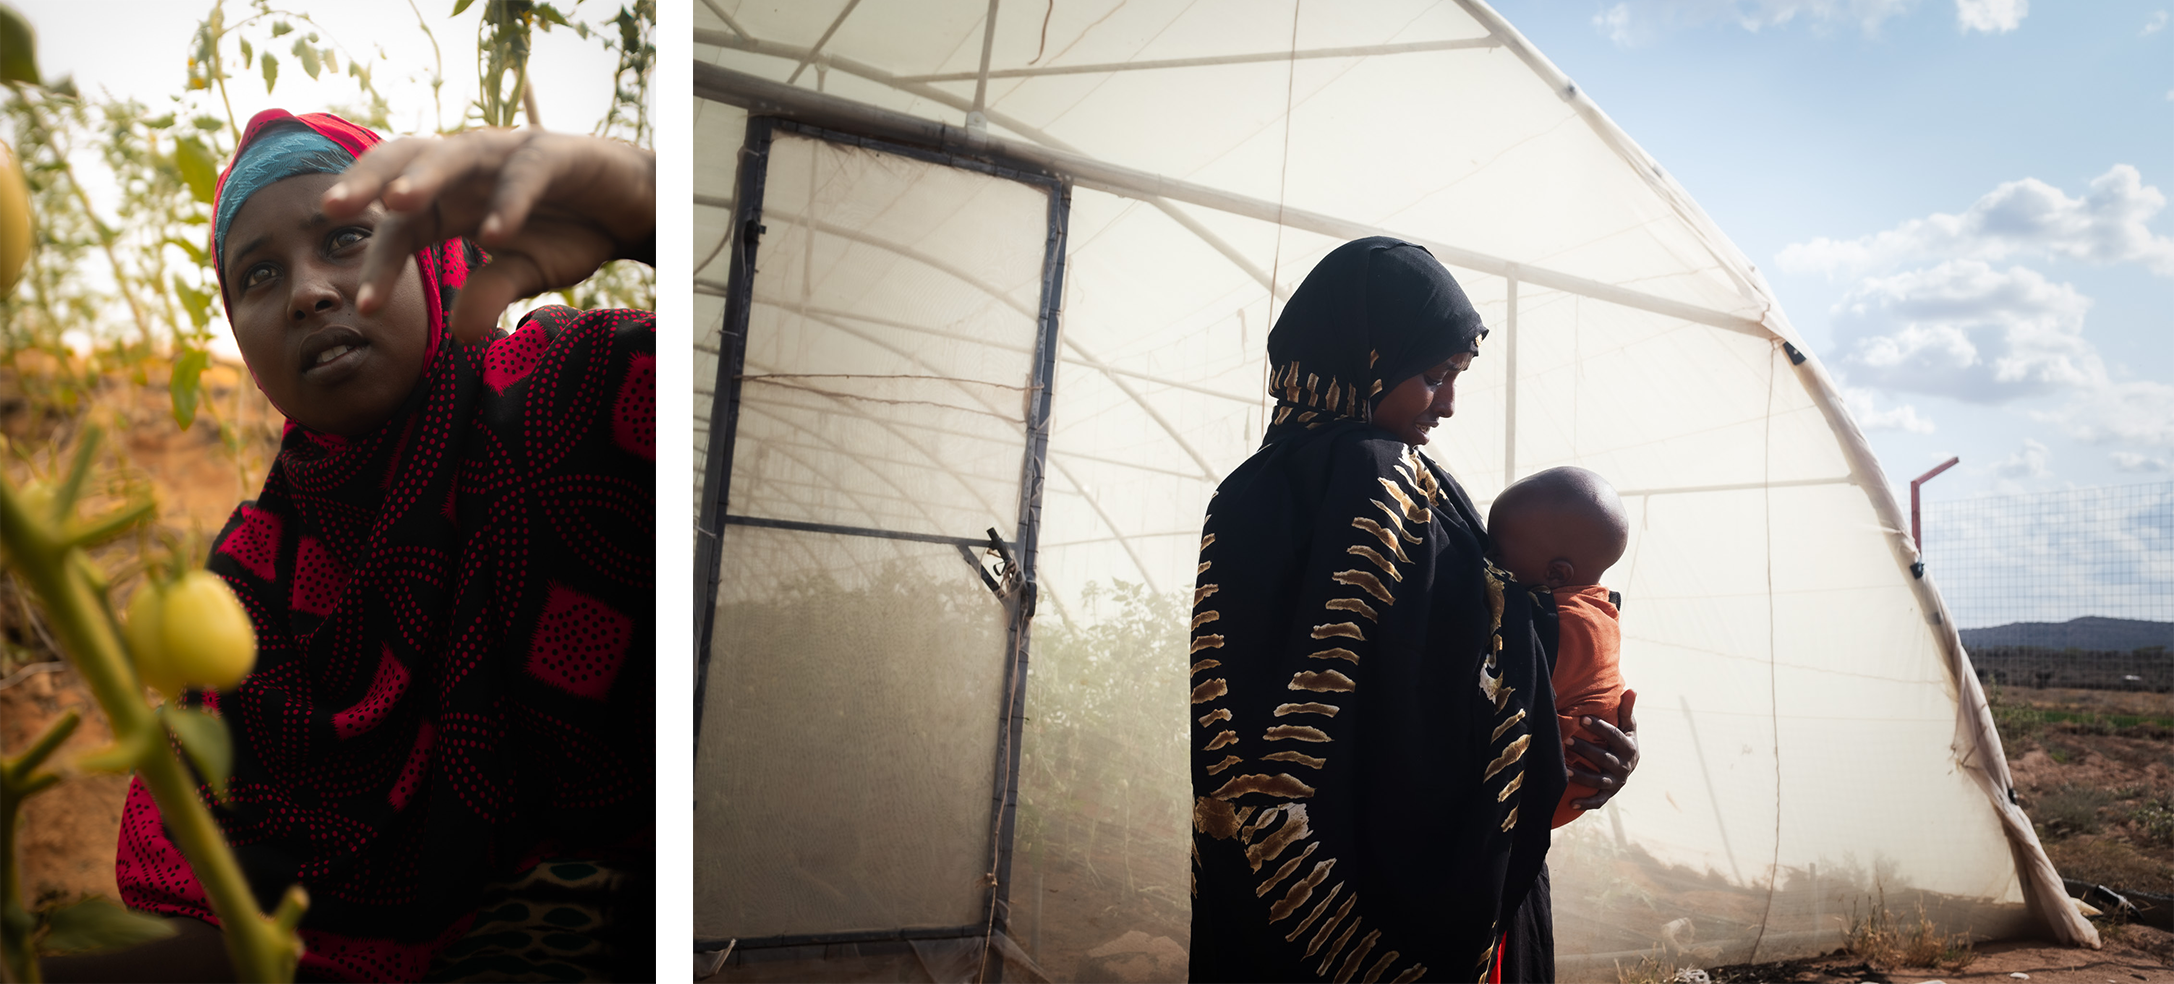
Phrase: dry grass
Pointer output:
(2154, 821)
(1652, 968)
(1886, 941)
(2071, 809)
(2110, 861)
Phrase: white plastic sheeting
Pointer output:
(1813, 740)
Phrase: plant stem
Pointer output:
(19, 780)
(86, 629)
(121, 276)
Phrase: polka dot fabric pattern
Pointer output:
(634, 414)
(507, 364)
(318, 579)
(580, 644)
(448, 612)
(252, 541)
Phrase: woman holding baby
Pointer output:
(1376, 751)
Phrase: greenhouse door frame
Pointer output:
(747, 230)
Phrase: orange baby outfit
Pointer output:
(1587, 679)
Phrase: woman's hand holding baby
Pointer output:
(1614, 761)
(551, 208)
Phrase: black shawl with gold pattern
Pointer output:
(1371, 707)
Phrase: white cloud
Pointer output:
(2026, 218)
(1991, 16)
(2142, 464)
(2136, 412)
(2030, 462)
(1967, 331)
(2154, 25)
(1615, 22)
(1633, 22)
(1864, 407)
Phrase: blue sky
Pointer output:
(1961, 203)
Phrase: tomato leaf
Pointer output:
(98, 924)
(271, 72)
(460, 5)
(196, 302)
(204, 740)
(197, 254)
(281, 27)
(183, 386)
(199, 169)
(308, 55)
(249, 54)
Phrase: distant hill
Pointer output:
(2089, 632)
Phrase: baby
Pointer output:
(1562, 528)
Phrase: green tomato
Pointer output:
(208, 636)
(15, 232)
(146, 637)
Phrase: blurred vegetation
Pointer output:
(2024, 716)
(1105, 801)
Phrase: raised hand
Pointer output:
(551, 208)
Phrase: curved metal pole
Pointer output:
(749, 43)
(1122, 540)
(771, 97)
(1353, 51)
(1206, 471)
(714, 289)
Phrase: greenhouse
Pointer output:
(983, 293)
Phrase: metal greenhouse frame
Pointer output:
(1712, 297)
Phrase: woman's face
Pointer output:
(1419, 403)
(291, 276)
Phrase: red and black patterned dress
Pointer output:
(455, 624)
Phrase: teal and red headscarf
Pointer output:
(455, 622)
(279, 145)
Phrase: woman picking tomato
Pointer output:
(449, 569)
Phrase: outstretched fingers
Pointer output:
(364, 181)
(522, 181)
(424, 185)
(398, 237)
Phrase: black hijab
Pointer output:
(1372, 314)
(1371, 709)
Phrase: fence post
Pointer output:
(1917, 538)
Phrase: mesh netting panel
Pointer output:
(850, 726)
(848, 745)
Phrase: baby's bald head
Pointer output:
(1563, 527)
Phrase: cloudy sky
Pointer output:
(1962, 204)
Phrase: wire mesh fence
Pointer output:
(2073, 588)
(2106, 552)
